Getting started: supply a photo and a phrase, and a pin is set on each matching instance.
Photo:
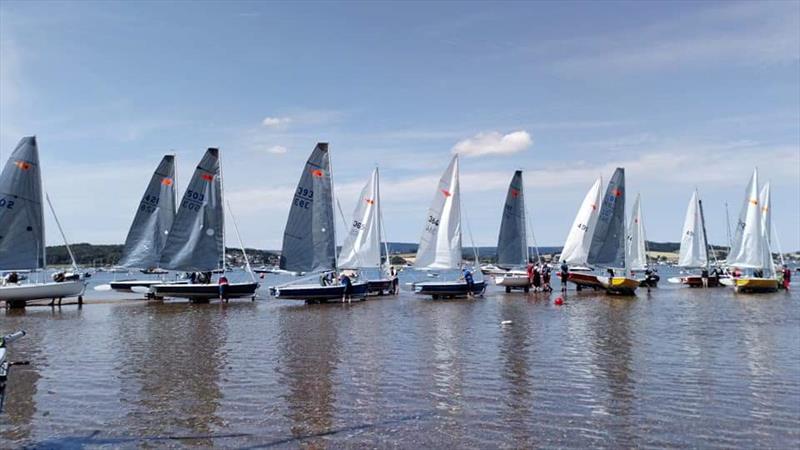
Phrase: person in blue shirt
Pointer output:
(467, 275)
(347, 295)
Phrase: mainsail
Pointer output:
(440, 245)
(512, 243)
(693, 251)
(636, 253)
(309, 242)
(22, 243)
(750, 248)
(362, 245)
(150, 228)
(196, 239)
(576, 247)
(608, 241)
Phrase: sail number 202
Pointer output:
(304, 197)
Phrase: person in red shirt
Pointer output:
(787, 277)
(223, 287)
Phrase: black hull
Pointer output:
(449, 289)
(201, 292)
(318, 293)
(379, 287)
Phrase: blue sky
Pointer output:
(682, 94)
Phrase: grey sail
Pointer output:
(150, 228)
(21, 210)
(309, 243)
(608, 242)
(195, 241)
(512, 245)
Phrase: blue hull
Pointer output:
(318, 293)
(448, 289)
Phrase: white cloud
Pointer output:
(276, 122)
(494, 143)
(277, 150)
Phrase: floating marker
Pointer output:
(559, 301)
(506, 322)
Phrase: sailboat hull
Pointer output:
(583, 279)
(317, 293)
(448, 289)
(514, 280)
(696, 281)
(756, 285)
(200, 292)
(379, 287)
(18, 294)
(619, 285)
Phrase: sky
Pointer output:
(684, 95)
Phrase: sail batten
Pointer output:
(693, 250)
(153, 220)
(196, 239)
(579, 239)
(362, 245)
(440, 244)
(608, 241)
(309, 243)
(512, 244)
(22, 239)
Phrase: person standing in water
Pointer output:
(467, 275)
(223, 287)
(348, 288)
(395, 280)
(564, 275)
(787, 277)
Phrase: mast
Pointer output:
(728, 226)
(333, 199)
(380, 218)
(222, 199)
(705, 236)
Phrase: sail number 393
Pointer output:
(304, 197)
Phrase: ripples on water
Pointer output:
(677, 367)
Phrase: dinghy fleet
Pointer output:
(601, 251)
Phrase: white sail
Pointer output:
(362, 245)
(440, 245)
(765, 201)
(576, 248)
(635, 252)
(749, 243)
(693, 247)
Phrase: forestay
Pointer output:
(309, 242)
(150, 228)
(440, 245)
(750, 248)
(512, 243)
(693, 252)
(362, 245)
(22, 243)
(608, 241)
(196, 239)
(636, 253)
(579, 239)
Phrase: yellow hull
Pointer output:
(619, 285)
(756, 285)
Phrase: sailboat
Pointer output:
(150, 227)
(22, 236)
(608, 242)
(694, 245)
(636, 247)
(751, 249)
(196, 239)
(309, 240)
(361, 249)
(440, 245)
(512, 242)
(575, 252)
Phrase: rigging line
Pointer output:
(63, 236)
(241, 244)
(533, 236)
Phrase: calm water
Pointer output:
(677, 367)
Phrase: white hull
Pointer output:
(513, 280)
(39, 291)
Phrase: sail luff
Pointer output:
(22, 239)
(579, 239)
(153, 219)
(749, 240)
(512, 239)
(440, 245)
